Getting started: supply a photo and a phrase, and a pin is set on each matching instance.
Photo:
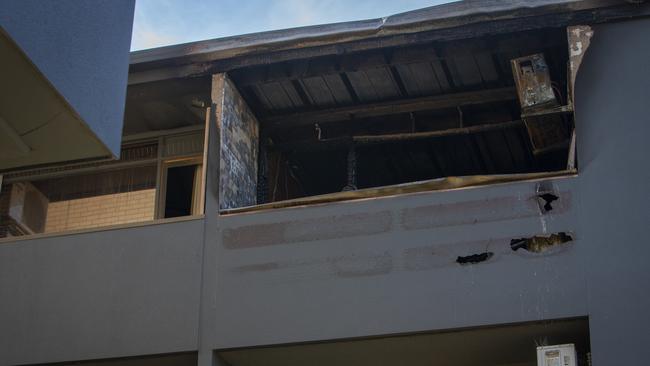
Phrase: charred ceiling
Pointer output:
(405, 114)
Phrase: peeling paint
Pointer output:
(474, 212)
(362, 267)
(344, 266)
(579, 38)
(258, 267)
(325, 228)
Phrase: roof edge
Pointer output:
(436, 17)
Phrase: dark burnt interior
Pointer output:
(404, 114)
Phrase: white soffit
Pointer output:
(37, 125)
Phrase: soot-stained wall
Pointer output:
(239, 150)
(388, 265)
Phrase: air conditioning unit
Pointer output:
(28, 207)
(558, 355)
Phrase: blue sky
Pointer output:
(164, 22)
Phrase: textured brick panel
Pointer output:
(239, 149)
(104, 210)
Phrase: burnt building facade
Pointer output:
(456, 185)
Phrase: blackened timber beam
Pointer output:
(169, 89)
(391, 107)
(340, 142)
(380, 139)
(349, 87)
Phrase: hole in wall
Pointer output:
(539, 243)
(474, 258)
(546, 200)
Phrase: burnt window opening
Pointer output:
(490, 106)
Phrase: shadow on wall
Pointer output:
(178, 359)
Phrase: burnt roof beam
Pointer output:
(391, 107)
(339, 142)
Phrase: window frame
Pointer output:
(198, 190)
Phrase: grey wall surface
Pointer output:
(82, 48)
(116, 293)
(613, 120)
(388, 266)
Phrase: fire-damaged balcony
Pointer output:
(401, 122)
(397, 120)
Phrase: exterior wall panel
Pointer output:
(115, 293)
(388, 266)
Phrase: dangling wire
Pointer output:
(558, 93)
(318, 131)
(277, 177)
(352, 170)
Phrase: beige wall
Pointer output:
(110, 209)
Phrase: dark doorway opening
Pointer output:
(180, 191)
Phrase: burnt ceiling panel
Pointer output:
(319, 91)
(391, 74)
(337, 87)
(419, 79)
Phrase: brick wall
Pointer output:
(104, 210)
